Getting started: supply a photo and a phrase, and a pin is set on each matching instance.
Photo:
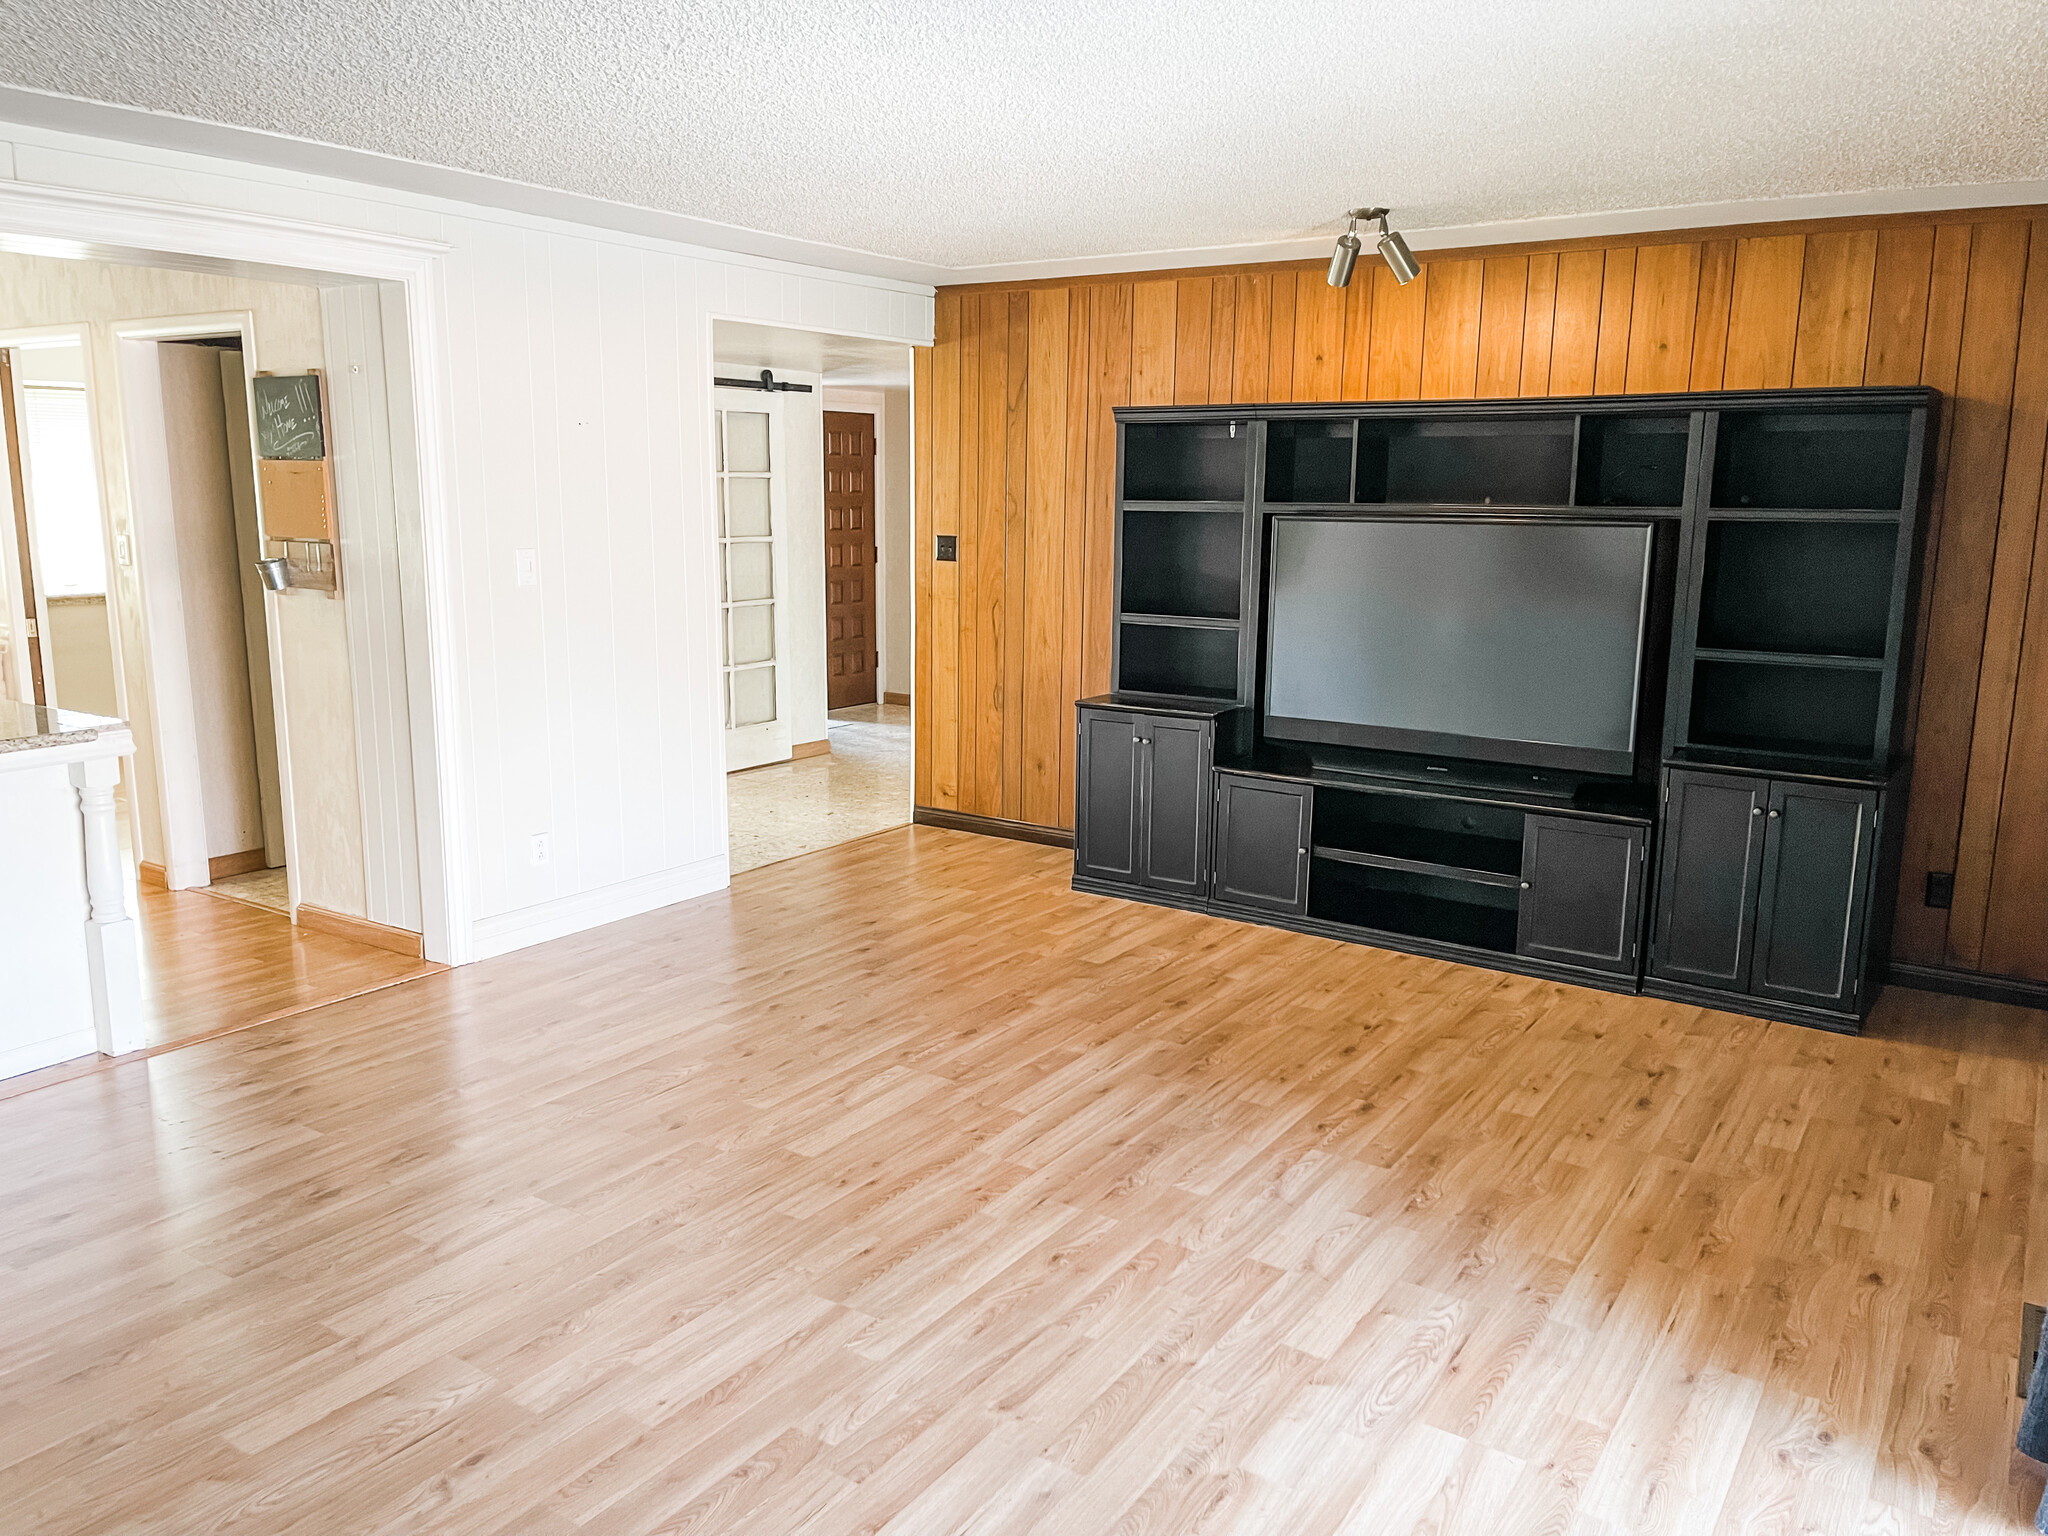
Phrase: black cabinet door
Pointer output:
(1174, 805)
(1106, 798)
(1582, 884)
(1818, 847)
(1709, 864)
(1262, 844)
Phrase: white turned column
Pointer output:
(109, 930)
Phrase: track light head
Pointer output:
(1393, 249)
(1400, 260)
(1345, 257)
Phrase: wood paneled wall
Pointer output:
(1016, 455)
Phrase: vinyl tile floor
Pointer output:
(266, 888)
(860, 787)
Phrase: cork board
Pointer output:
(298, 499)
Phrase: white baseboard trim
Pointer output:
(47, 1053)
(556, 919)
(188, 874)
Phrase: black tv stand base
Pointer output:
(1545, 875)
(1774, 1009)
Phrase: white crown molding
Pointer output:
(363, 168)
(54, 221)
(1578, 226)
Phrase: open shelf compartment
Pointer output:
(1814, 587)
(1814, 458)
(1185, 563)
(1185, 461)
(1511, 461)
(1455, 839)
(1177, 660)
(1783, 709)
(1420, 906)
(1308, 461)
(1632, 461)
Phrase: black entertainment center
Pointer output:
(1608, 690)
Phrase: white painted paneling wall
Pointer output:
(577, 422)
(366, 488)
(583, 431)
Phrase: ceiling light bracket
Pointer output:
(1393, 249)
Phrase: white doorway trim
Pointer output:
(50, 221)
(181, 814)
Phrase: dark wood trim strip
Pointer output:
(993, 826)
(360, 930)
(247, 862)
(2015, 990)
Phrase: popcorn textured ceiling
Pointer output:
(963, 134)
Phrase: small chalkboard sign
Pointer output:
(288, 416)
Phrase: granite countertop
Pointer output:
(24, 727)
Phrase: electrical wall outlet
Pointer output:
(1941, 890)
(526, 562)
(947, 546)
(540, 849)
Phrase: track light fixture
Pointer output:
(1393, 249)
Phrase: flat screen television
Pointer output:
(1515, 642)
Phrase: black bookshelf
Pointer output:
(1750, 859)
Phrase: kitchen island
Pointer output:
(70, 983)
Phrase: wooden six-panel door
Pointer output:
(850, 556)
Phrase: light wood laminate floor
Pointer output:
(902, 1189)
(211, 965)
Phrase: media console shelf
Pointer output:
(1747, 861)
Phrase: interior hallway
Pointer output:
(900, 1186)
(862, 786)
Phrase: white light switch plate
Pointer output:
(527, 562)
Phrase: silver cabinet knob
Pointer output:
(1525, 885)
(1774, 815)
(1757, 810)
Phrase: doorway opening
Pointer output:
(56, 643)
(212, 499)
(274, 728)
(814, 500)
